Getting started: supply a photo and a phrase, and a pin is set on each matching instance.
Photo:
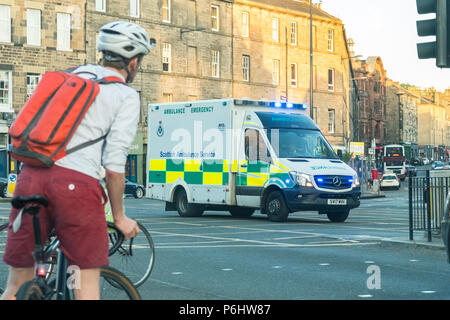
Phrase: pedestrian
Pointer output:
(72, 184)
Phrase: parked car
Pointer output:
(134, 189)
(389, 180)
(411, 171)
(439, 165)
(415, 161)
(445, 226)
(131, 189)
(425, 161)
(3, 186)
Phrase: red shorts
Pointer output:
(75, 211)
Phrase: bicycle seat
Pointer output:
(19, 202)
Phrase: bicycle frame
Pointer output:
(42, 257)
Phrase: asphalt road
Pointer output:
(218, 257)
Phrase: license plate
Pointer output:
(339, 202)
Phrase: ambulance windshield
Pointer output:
(295, 136)
(300, 143)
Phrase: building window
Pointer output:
(5, 24)
(246, 68)
(32, 82)
(276, 29)
(330, 120)
(167, 97)
(245, 24)
(166, 7)
(134, 8)
(276, 72)
(63, 21)
(215, 18)
(5, 90)
(294, 75)
(167, 57)
(33, 27)
(330, 79)
(215, 63)
(100, 5)
(294, 33)
(330, 40)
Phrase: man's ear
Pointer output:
(133, 63)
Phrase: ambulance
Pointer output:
(241, 155)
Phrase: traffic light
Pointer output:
(439, 49)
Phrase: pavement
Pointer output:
(420, 241)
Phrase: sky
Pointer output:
(387, 28)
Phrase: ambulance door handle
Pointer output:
(244, 165)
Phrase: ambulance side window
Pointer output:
(255, 147)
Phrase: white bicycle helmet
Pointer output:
(121, 39)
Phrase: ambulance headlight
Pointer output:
(355, 182)
(302, 179)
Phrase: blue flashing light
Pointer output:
(288, 181)
(319, 180)
(288, 105)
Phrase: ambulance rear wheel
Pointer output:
(239, 212)
(184, 208)
(276, 207)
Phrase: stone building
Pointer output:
(401, 118)
(433, 125)
(35, 36)
(271, 60)
(191, 61)
(206, 49)
(371, 78)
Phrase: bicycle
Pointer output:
(40, 288)
(123, 254)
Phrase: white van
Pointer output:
(244, 155)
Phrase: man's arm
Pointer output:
(115, 184)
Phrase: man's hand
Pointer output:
(127, 226)
(115, 184)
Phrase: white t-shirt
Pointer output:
(116, 108)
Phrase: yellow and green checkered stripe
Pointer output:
(207, 172)
(215, 172)
(259, 174)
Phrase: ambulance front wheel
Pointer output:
(338, 216)
(184, 208)
(276, 207)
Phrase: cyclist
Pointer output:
(72, 184)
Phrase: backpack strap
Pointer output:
(86, 144)
(111, 79)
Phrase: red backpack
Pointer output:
(47, 122)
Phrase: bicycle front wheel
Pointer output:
(30, 290)
(135, 257)
(114, 285)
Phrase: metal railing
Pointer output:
(426, 202)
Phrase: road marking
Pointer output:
(365, 295)
(324, 264)
(227, 269)
(428, 291)
(177, 273)
(277, 267)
